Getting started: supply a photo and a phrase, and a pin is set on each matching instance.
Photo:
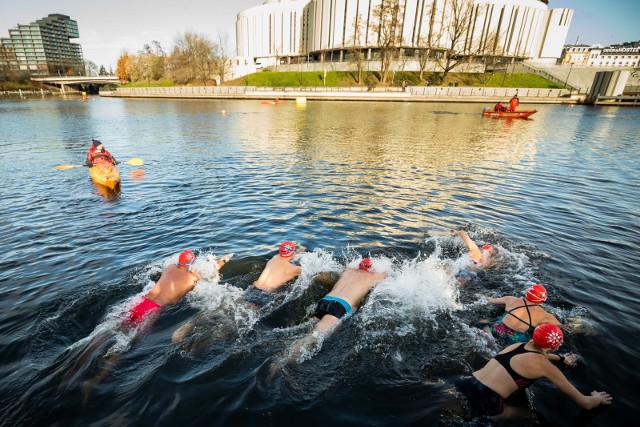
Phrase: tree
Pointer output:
(222, 56)
(103, 71)
(90, 68)
(192, 58)
(123, 68)
(8, 61)
(425, 43)
(149, 64)
(456, 23)
(355, 53)
(387, 28)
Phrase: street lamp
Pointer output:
(568, 74)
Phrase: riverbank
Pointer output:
(480, 95)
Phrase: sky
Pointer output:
(109, 28)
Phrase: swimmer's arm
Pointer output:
(474, 250)
(222, 261)
(501, 300)
(554, 375)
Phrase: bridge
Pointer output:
(91, 84)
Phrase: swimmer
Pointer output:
(346, 296)
(278, 272)
(175, 282)
(279, 269)
(480, 256)
(521, 316)
(497, 390)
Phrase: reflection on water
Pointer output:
(557, 194)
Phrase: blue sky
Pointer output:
(108, 28)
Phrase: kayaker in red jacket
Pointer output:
(98, 154)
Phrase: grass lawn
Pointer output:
(349, 79)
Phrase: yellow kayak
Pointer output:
(105, 174)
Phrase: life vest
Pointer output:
(103, 156)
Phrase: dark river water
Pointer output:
(558, 194)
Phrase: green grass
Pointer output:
(349, 79)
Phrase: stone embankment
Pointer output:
(411, 94)
(24, 93)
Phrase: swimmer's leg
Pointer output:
(80, 360)
(179, 334)
(108, 364)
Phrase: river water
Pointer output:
(558, 194)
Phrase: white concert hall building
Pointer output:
(292, 31)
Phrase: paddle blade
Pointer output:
(136, 161)
(65, 167)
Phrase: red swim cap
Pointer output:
(537, 294)
(287, 249)
(186, 258)
(547, 336)
(365, 264)
(488, 248)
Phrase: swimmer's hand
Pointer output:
(225, 259)
(570, 359)
(601, 398)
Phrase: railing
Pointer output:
(23, 93)
(488, 92)
(394, 92)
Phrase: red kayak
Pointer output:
(274, 102)
(519, 114)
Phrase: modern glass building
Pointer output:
(43, 48)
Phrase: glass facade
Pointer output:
(43, 48)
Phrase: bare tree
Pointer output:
(90, 68)
(387, 28)
(456, 23)
(222, 56)
(192, 58)
(426, 43)
(355, 51)
(8, 61)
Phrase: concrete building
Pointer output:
(619, 56)
(43, 48)
(329, 29)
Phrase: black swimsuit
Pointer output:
(504, 359)
(510, 312)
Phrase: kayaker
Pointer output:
(513, 103)
(521, 316)
(497, 391)
(175, 282)
(97, 154)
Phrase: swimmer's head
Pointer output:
(186, 258)
(547, 336)
(537, 294)
(287, 249)
(365, 264)
(488, 248)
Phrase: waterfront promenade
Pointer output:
(481, 95)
